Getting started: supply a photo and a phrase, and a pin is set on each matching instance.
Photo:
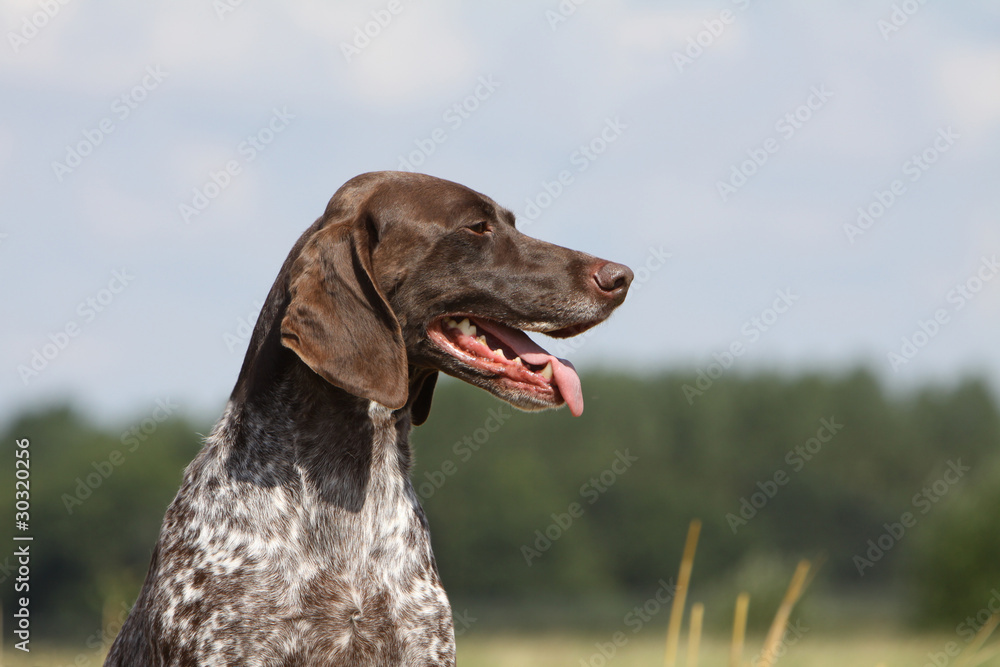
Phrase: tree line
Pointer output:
(897, 494)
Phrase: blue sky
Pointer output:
(721, 149)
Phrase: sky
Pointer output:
(798, 186)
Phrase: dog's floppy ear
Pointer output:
(338, 321)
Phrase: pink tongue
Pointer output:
(563, 372)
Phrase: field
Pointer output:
(811, 651)
(552, 651)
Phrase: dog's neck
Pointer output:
(285, 418)
(296, 428)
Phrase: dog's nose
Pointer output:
(613, 279)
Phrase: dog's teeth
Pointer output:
(450, 321)
(547, 371)
(499, 351)
(467, 327)
(517, 360)
(481, 339)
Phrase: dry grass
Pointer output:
(648, 650)
(812, 651)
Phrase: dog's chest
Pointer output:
(311, 581)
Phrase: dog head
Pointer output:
(406, 275)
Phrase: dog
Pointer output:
(296, 537)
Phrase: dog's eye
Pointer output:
(479, 228)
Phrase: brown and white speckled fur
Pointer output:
(309, 574)
(296, 538)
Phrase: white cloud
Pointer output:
(425, 54)
(648, 39)
(654, 31)
(34, 42)
(968, 83)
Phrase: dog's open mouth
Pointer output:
(514, 359)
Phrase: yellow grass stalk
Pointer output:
(677, 608)
(967, 656)
(984, 656)
(816, 564)
(777, 631)
(694, 633)
(739, 630)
